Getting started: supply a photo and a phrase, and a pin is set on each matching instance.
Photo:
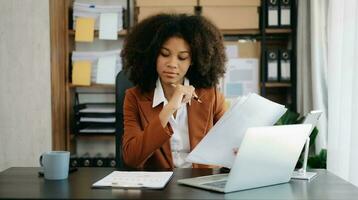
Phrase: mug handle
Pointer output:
(40, 160)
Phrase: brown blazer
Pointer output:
(146, 144)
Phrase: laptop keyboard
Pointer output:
(218, 184)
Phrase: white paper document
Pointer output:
(99, 108)
(232, 51)
(108, 26)
(241, 77)
(134, 179)
(106, 70)
(216, 148)
(98, 130)
(98, 119)
(94, 10)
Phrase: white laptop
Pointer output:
(312, 118)
(267, 156)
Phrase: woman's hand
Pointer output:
(182, 94)
(235, 151)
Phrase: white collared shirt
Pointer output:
(179, 142)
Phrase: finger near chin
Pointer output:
(186, 100)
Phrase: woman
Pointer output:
(175, 61)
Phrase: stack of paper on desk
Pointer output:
(217, 146)
(132, 179)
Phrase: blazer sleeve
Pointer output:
(219, 106)
(139, 142)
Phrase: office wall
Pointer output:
(25, 89)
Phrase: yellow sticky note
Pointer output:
(81, 72)
(84, 29)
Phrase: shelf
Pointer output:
(97, 86)
(96, 33)
(256, 31)
(91, 136)
(278, 30)
(241, 32)
(276, 85)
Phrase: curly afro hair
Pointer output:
(143, 43)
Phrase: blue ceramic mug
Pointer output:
(55, 164)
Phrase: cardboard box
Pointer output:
(144, 12)
(147, 8)
(232, 14)
(245, 49)
(230, 3)
(164, 3)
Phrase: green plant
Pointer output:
(318, 161)
(314, 161)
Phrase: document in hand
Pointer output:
(216, 148)
(133, 179)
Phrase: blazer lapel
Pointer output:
(198, 116)
(148, 113)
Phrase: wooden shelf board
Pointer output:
(241, 32)
(96, 33)
(92, 136)
(278, 30)
(255, 31)
(93, 85)
(276, 85)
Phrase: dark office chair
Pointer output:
(122, 83)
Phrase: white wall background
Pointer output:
(25, 85)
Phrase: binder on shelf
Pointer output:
(111, 160)
(74, 161)
(95, 10)
(272, 13)
(99, 160)
(85, 160)
(272, 65)
(285, 65)
(285, 13)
